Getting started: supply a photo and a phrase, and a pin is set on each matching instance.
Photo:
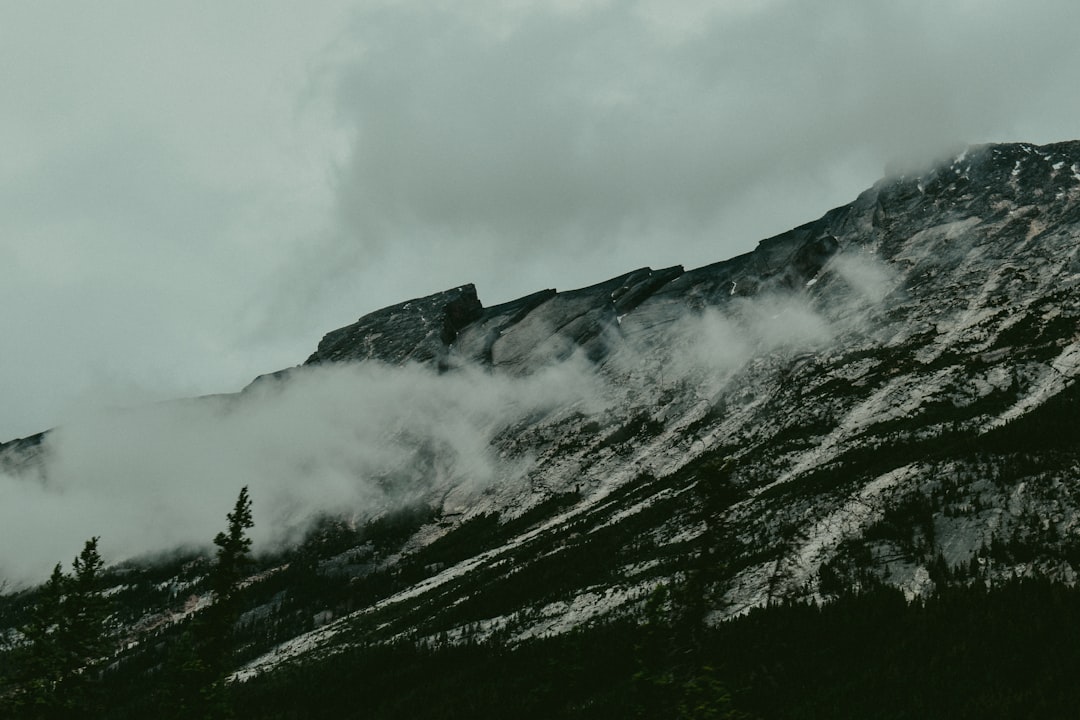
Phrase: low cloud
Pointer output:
(534, 144)
(358, 440)
(355, 440)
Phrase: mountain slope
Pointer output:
(841, 406)
(884, 395)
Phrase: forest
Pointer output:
(1009, 651)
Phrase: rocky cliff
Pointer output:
(866, 408)
(884, 395)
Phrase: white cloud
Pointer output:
(356, 440)
(363, 438)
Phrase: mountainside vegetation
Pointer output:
(1010, 651)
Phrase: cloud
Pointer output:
(867, 276)
(353, 440)
(155, 168)
(359, 439)
(535, 144)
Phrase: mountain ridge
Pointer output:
(879, 396)
(916, 230)
(800, 253)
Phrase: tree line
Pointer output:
(55, 670)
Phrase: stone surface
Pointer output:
(475, 341)
(420, 330)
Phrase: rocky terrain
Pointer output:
(884, 395)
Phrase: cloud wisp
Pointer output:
(354, 440)
(511, 136)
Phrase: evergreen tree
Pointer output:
(201, 659)
(64, 640)
(40, 660)
(83, 634)
(233, 554)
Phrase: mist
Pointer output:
(357, 440)
(352, 440)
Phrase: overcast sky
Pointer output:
(193, 193)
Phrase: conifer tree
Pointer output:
(41, 664)
(233, 553)
(233, 558)
(85, 610)
(201, 659)
(65, 639)
(82, 633)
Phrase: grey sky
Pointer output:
(193, 193)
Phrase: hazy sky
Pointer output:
(193, 193)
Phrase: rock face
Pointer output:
(888, 395)
(884, 395)
(581, 319)
(21, 454)
(983, 207)
(420, 330)
(548, 326)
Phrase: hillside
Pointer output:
(885, 396)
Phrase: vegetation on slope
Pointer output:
(1010, 652)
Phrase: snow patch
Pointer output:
(1054, 378)
(861, 509)
(562, 616)
(918, 585)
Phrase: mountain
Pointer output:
(884, 396)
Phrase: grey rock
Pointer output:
(475, 341)
(578, 319)
(420, 330)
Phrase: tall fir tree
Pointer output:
(66, 639)
(85, 609)
(233, 553)
(40, 660)
(200, 662)
(83, 633)
(233, 559)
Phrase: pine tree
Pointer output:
(233, 553)
(82, 633)
(41, 663)
(85, 609)
(65, 639)
(201, 659)
(233, 557)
